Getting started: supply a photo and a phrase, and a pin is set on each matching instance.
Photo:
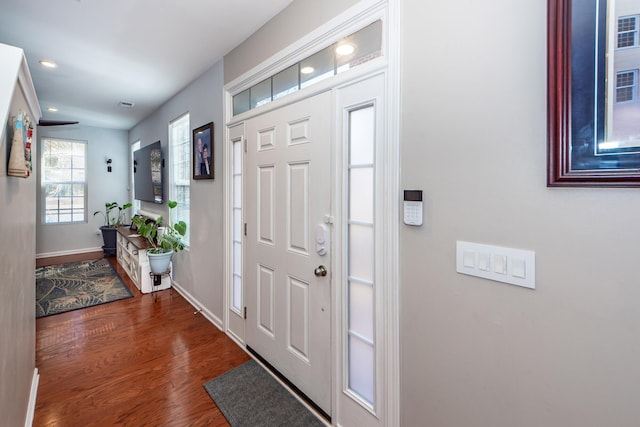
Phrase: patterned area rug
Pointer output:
(75, 285)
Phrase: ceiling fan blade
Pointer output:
(43, 122)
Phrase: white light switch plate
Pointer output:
(508, 265)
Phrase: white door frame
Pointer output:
(348, 22)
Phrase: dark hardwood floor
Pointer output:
(133, 362)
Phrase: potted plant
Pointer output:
(164, 241)
(112, 221)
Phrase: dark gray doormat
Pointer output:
(249, 396)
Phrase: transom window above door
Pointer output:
(356, 49)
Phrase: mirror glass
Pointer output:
(622, 121)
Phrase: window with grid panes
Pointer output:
(135, 203)
(63, 182)
(180, 171)
(626, 85)
(627, 31)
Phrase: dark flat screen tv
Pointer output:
(147, 173)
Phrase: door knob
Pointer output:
(320, 271)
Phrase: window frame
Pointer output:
(135, 203)
(42, 183)
(185, 181)
(634, 31)
(633, 86)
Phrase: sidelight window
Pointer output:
(236, 295)
(361, 251)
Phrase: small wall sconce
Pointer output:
(108, 165)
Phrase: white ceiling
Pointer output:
(140, 51)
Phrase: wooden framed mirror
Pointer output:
(593, 97)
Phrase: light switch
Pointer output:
(469, 259)
(500, 264)
(484, 261)
(507, 265)
(518, 268)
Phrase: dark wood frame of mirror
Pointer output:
(560, 136)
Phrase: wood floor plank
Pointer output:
(133, 362)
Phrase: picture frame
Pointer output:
(203, 149)
(585, 148)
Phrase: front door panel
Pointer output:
(288, 193)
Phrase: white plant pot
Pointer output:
(159, 263)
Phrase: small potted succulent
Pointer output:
(164, 240)
(112, 221)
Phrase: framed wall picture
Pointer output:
(203, 152)
(593, 97)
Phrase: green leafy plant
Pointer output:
(118, 219)
(170, 238)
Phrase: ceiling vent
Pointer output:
(126, 104)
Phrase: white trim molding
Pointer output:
(68, 252)
(31, 408)
(393, 126)
(198, 306)
(24, 77)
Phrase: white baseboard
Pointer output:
(199, 307)
(31, 409)
(235, 338)
(69, 252)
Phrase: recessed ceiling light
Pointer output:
(48, 63)
(345, 49)
(306, 70)
(52, 109)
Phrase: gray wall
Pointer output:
(199, 269)
(476, 352)
(17, 290)
(102, 187)
(480, 353)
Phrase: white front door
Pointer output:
(287, 272)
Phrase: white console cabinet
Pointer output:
(132, 256)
